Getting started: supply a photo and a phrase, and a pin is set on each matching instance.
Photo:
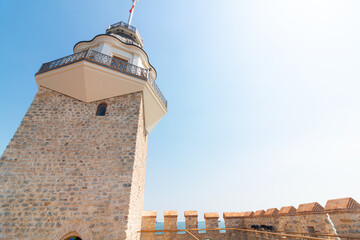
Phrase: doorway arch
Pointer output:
(73, 238)
(75, 231)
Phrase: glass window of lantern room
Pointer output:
(101, 110)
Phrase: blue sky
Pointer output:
(263, 95)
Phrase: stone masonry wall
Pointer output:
(138, 179)
(340, 218)
(67, 170)
(347, 222)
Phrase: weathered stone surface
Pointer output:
(170, 223)
(271, 212)
(148, 223)
(232, 214)
(67, 167)
(347, 223)
(191, 219)
(310, 207)
(342, 204)
(190, 213)
(170, 214)
(259, 213)
(287, 210)
(211, 220)
(234, 219)
(248, 214)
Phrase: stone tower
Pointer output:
(76, 165)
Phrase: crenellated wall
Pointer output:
(339, 217)
(191, 223)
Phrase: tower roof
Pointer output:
(126, 33)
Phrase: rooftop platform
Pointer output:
(126, 29)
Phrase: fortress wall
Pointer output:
(345, 215)
(307, 218)
(296, 223)
(347, 222)
(234, 219)
(341, 216)
(191, 223)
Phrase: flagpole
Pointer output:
(132, 12)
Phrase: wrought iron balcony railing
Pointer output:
(107, 61)
(123, 24)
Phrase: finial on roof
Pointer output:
(132, 11)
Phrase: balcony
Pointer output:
(122, 24)
(108, 62)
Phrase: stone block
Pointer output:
(259, 213)
(191, 219)
(234, 219)
(287, 210)
(342, 204)
(271, 212)
(170, 223)
(211, 220)
(148, 224)
(310, 207)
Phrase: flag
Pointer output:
(132, 9)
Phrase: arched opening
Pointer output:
(76, 231)
(101, 110)
(73, 238)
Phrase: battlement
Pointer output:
(339, 217)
